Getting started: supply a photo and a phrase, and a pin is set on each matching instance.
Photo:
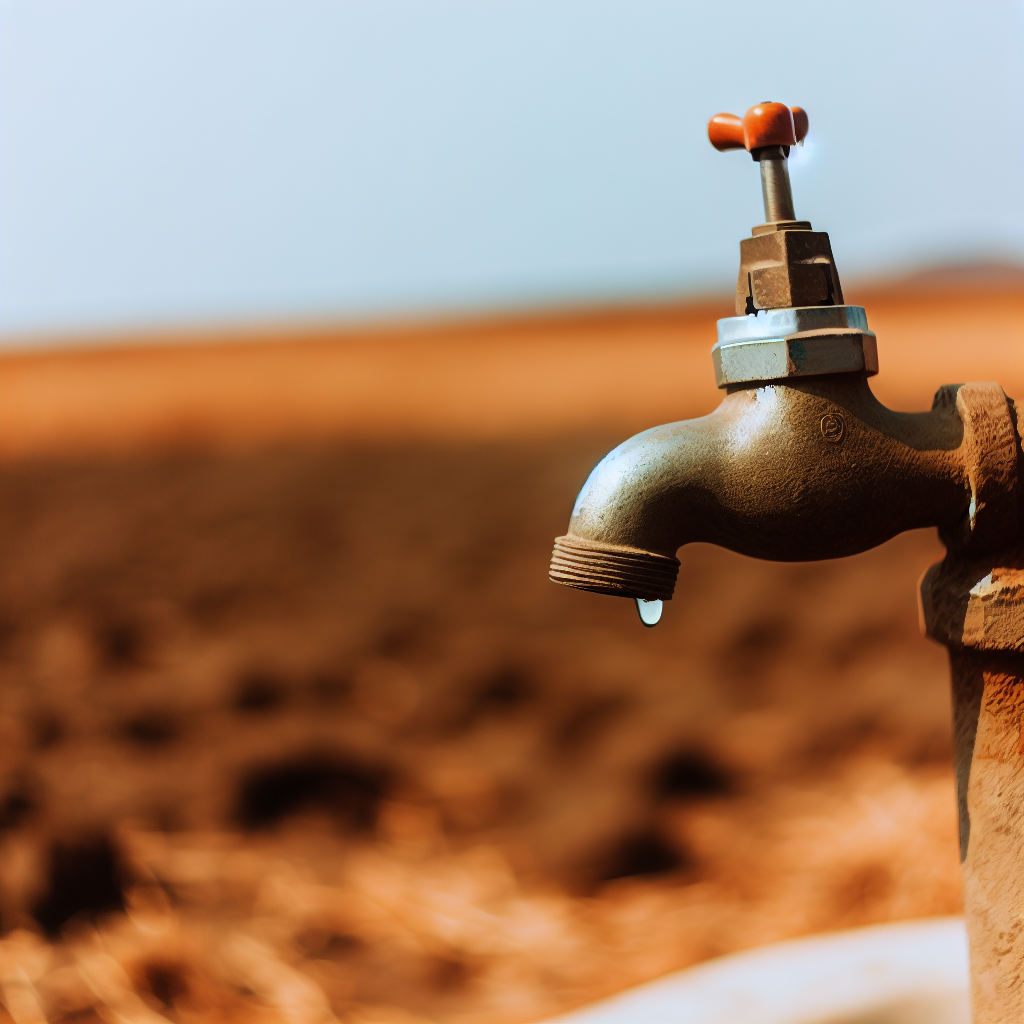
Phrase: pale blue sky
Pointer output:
(179, 162)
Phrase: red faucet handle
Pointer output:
(767, 124)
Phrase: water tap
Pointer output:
(800, 461)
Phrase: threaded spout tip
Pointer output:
(613, 569)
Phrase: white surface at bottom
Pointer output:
(911, 972)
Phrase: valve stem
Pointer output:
(775, 187)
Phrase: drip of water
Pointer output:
(650, 611)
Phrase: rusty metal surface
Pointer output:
(974, 604)
(618, 572)
(993, 456)
(988, 708)
(787, 266)
(988, 730)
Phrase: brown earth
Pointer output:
(295, 728)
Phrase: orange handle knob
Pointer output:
(767, 124)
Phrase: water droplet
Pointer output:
(650, 611)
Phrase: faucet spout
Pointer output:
(800, 470)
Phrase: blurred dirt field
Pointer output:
(295, 728)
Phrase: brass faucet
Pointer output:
(801, 462)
